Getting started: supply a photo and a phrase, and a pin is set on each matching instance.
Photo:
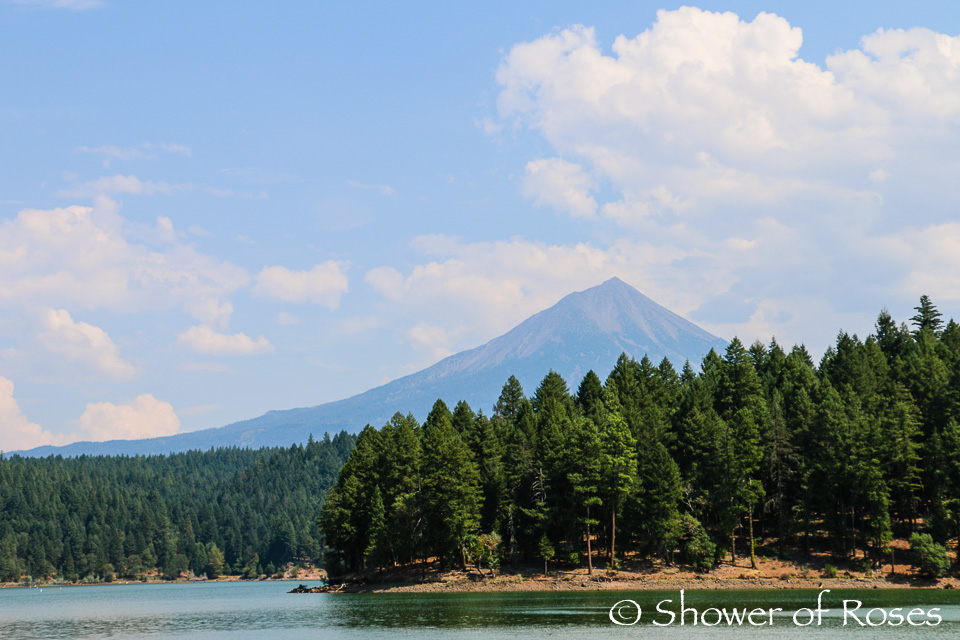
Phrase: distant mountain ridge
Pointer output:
(585, 330)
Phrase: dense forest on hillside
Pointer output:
(761, 444)
(235, 511)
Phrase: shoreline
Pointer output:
(770, 575)
(127, 583)
(513, 584)
(310, 576)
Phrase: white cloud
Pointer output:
(927, 260)
(83, 343)
(911, 74)
(145, 417)
(498, 284)
(286, 319)
(707, 85)
(17, 432)
(386, 280)
(436, 340)
(561, 184)
(110, 152)
(488, 126)
(323, 284)
(82, 257)
(111, 185)
(203, 339)
(212, 312)
(780, 178)
(173, 147)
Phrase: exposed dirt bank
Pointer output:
(769, 574)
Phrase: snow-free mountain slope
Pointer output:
(585, 330)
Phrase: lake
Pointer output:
(258, 610)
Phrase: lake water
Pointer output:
(262, 610)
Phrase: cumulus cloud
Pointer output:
(699, 85)
(212, 312)
(561, 184)
(498, 284)
(83, 343)
(781, 178)
(323, 284)
(82, 257)
(18, 432)
(203, 339)
(436, 340)
(145, 417)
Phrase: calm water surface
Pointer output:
(264, 610)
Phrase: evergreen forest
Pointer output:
(761, 446)
(224, 511)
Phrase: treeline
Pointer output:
(224, 511)
(761, 444)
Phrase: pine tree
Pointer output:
(378, 547)
(927, 316)
(584, 474)
(741, 405)
(451, 487)
(590, 395)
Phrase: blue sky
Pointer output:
(210, 210)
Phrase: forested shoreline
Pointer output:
(203, 513)
(761, 445)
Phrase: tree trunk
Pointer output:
(613, 535)
(513, 537)
(853, 526)
(753, 557)
(733, 546)
(589, 550)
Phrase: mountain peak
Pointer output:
(585, 330)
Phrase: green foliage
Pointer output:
(931, 557)
(96, 517)
(696, 548)
(547, 552)
(927, 316)
(829, 571)
(838, 457)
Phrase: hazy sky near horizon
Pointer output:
(210, 210)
